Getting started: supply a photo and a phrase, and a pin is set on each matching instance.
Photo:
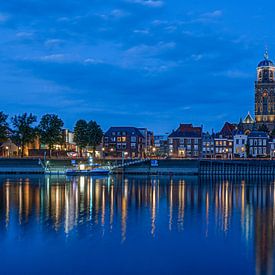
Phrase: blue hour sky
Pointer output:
(147, 63)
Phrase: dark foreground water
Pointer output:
(136, 225)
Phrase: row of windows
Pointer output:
(257, 151)
(208, 143)
(208, 150)
(240, 141)
(257, 142)
(120, 139)
(223, 151)
(188, 147)
(186, 140)
(223, 143)
(124, 145)
(122, 133)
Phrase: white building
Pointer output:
(240, 143)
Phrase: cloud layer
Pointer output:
(132, 62)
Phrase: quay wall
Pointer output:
(21, 166)
(202, 167)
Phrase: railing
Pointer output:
(125, 164)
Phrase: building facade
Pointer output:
(127, 142)
(161, 145)
(258, 144)
(264, 93)
(240, 145)
(148, 140)
(185, 142)
(223, 147)
(208, 146)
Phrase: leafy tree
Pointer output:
(81, 134)
(24, 132)
(3, 127)
(50, 130)
(95, 135)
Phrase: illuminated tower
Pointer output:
(264, 93)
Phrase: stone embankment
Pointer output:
(148, 167)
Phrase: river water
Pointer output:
(136, 225)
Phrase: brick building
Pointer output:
(185, 142)
(127, 141)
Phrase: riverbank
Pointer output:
(147, 167)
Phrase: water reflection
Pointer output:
(212, 206)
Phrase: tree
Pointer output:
(24, 132)
(3, 126)
(95, 135)
(50, 130)
(81, 134)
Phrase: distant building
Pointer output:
(247, 124)
(8, 149)
(258, 144)
(124, 141)
(185, 142)
(208, 146)
(223, 147)
(240, 143)
(149, 140)
(68, 140)
(228, 130)
(264, 93)
(161, 145)
(271, 146)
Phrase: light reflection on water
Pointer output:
(144, 210)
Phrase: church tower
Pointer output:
(265, 93)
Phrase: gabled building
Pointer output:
(228, 130)
(247, 124)
(185, 142)
(125, 142)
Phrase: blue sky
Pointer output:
(144, 63)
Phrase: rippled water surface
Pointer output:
(136, 225)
